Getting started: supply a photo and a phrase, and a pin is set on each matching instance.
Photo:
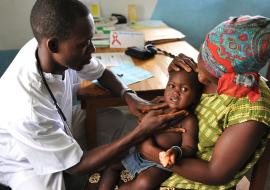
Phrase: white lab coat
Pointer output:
(32, 139)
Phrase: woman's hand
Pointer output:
(184, 62)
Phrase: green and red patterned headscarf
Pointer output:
(235, 51)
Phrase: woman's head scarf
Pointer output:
(235, 51)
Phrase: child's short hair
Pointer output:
(55, 18)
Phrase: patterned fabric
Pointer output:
(235, 51)
(215, 113)
(124, 177)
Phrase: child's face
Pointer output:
(75, 52)
(180, 91)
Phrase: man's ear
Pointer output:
(53, 45)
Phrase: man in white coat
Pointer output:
(36, 145)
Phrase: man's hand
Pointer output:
(139, 107)
(155, 120)
(155, 104)
(158, 100)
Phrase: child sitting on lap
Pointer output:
(182, 92)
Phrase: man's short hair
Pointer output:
(55, 18)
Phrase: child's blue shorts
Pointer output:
(135, 164)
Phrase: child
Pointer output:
(183, 91)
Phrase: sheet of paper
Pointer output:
(123, 66)
(114, 59)
(124, 39)
(130, 74)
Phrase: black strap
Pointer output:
(153, 49)
(165, 53)
(59, 110)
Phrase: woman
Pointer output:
(234, 110)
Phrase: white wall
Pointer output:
(15, 26)
(14, 17)
(144, 7)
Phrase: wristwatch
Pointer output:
(127, 90)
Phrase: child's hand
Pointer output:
(164, 159)
(168, 158)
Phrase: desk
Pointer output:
(93, 98)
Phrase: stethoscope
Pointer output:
(59, 110)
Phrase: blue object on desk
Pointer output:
(130, 74)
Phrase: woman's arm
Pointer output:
(233, 149)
